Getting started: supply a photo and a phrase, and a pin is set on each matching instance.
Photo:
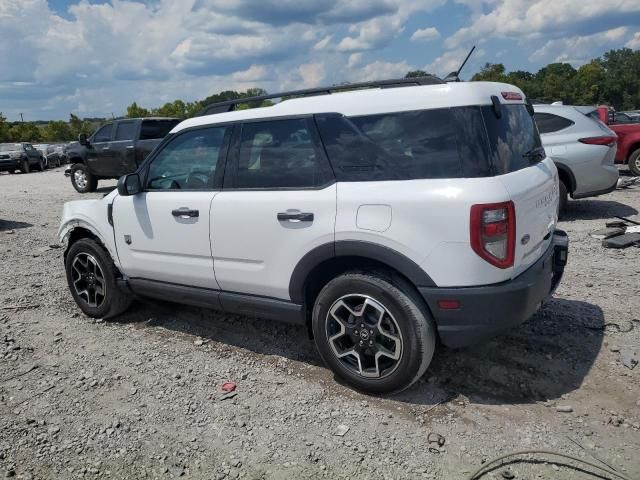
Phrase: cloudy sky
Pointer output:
(95, 57)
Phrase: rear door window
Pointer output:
(279, 154)
(549, 123)
(125, 131)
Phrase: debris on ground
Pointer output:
(341, 431)
(228, 386)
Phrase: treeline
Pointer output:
(611, 79)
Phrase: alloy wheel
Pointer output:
(364, 336)
(80, 178)
(88, 280)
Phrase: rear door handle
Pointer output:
(185, 212)
(130, 147)
(295, 217)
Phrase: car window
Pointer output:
(438, 143)
(154, 129)
(188, 162)
(103, 134)
(278, 154)
(549, 123)
(125, 131)
(513, 138)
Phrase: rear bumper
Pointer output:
(489, 310)
(613, 177)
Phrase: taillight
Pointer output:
(493, 232)
(608, 140)
(511, 96)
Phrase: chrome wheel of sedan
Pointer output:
(364, 336)
(88, 280)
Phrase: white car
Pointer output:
(380, 218)
(582, 147)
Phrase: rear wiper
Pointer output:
(535, 155)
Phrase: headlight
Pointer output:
(15, 155)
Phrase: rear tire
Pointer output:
(25, 167)
(91, 276)
(41, 165)
(634, 162)
(394, 348)
(82, 180)
(563, 198)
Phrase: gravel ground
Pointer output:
(139, 396)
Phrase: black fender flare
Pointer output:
(354, 248)
(572, 179)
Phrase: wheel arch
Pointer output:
(566, 175)
(327, 261)
(76, 230)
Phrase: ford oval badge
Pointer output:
(524, 240)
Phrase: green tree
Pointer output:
(4, 129)
(135, 111)
(79, 126)
(491, 72)
(24, 132)
(416, 73)
(57, 131)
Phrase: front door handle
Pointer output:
(185, 212)
(295, 217)
(130, 147)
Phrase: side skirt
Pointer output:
(242, 304)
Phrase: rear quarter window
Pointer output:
(549, 123)
(438, 143)
(155, 129)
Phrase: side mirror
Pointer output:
(129, 185)
(82, 139)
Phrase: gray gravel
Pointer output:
(140, 397)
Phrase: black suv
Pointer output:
(115, 149)
(20, 156)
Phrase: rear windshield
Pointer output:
(460, 142)
(153, 129)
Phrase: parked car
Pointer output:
(628, 138)
(56, 155)
(382, 219)
(115, 149)
(582, 147)
(20, 156)
(627, 117)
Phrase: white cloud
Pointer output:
(578, 50)
(634, 42)
(312, 74)
(380, 70)
(554, 18)
(430, 33)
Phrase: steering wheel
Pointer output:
(196, 179)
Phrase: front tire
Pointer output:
(25, 167)
(82, 180)
(91, 276)
(376, 337)
(634, 162)
(41, 165)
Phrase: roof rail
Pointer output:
(230, 105)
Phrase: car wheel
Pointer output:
(91, 276)
(634, 162)
(25, 167)
(82, 180)
(41, 164)
(563, 198)
(376, 337)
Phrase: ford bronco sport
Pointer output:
(383, 219)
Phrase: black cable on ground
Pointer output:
(481, 471)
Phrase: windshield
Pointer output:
(10, 147)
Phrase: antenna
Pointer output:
(455, 76)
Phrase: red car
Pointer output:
(628, 138)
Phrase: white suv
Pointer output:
(380, 218)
